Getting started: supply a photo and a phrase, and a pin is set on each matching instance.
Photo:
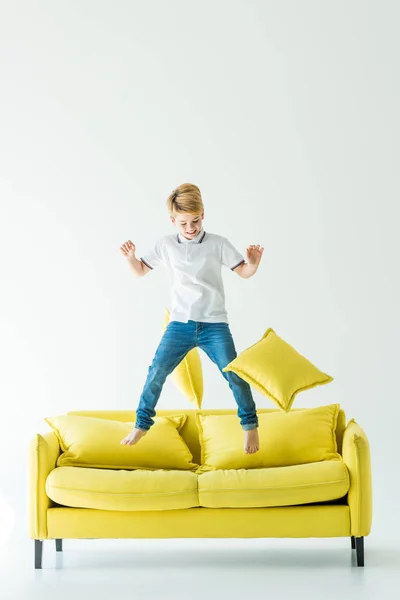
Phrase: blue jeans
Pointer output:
(178, 339)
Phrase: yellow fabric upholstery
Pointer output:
(92, 442)
(281, 522)
(190, 431)
(340, 427)
(188, 375)
(349, 515)
(43, 453)
(356, 456)
(106, 489)
(286, 439)
(277, 370)
(282, 486)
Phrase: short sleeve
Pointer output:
(231, 257)
(154, 255)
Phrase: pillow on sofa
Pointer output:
(294, 438)
(277, 370)
(188, 375)
(95, 442)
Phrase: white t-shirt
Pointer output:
(194, 271)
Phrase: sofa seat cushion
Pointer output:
(106, 489)
(279, 486)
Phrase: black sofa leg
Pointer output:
(353, 542)
(360, 551)
(38, 554)
(58, 545)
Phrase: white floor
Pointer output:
(199, 569)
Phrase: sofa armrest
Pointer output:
(356, 457)
(43, 453)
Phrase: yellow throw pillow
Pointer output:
(95, 442)
(188, 375)
(298, 437)
(277, 370)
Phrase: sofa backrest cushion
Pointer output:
(88, 441)
(286, 439)
(189, 431)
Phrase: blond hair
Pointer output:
(186, 198)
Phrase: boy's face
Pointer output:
(189, 225)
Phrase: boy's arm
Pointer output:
(145, 264)
(248, 269)
(138, 267)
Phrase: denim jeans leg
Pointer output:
(217, 342)
(177, 341)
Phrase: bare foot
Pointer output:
(251, 441)
(134, 436)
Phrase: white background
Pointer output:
(286, 114)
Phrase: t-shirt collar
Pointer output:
(197, 239)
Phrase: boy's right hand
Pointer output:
(128, 250)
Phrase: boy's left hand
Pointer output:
(254, 254)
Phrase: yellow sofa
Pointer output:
(321, 500)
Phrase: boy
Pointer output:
(193, 259)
